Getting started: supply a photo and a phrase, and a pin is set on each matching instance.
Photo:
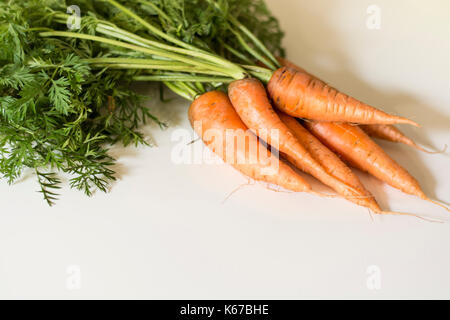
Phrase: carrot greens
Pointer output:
(66, 96)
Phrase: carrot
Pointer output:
(286, 63)
(301, 95)
(219, 126)
(250, 100)
(360, 151)
(331, 163)
(392, 134)
(380, 131)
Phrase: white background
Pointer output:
(164, 232)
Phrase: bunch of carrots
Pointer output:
(319, 130)
(201, 49)
(315, 128)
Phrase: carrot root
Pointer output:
(236, 190)
(437, 203)
(393, 134)
(358, 149)
(249, 98)
(408, 121)
(323, 195)
(393, 213)
(271, 188)
(217, 117)
(420, 148)
(302, 95)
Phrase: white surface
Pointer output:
(163, 232)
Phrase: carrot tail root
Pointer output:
(238, 188)
(323, 195)
(443, 150)
(411, 122)
(315, 193)
(358, 197)
(410, 215)
(438, 204)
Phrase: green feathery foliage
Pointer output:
(65, 94)
(56, 113)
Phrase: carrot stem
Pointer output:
(250, 50)
(149, 51)
(176, 88)
(253, 38)
(256, 41)
(241, 56)
(182, 78)
(194, 50)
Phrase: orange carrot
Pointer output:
(250, 100)
(301, 95)
(219, 126)
(359, 150)
(286, 63)
(331, 163)
(392, 134)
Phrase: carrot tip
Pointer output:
(236, 190)
(408, 121)
(410, 215)
(438, 204)
(444, 149)
(323, 195)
